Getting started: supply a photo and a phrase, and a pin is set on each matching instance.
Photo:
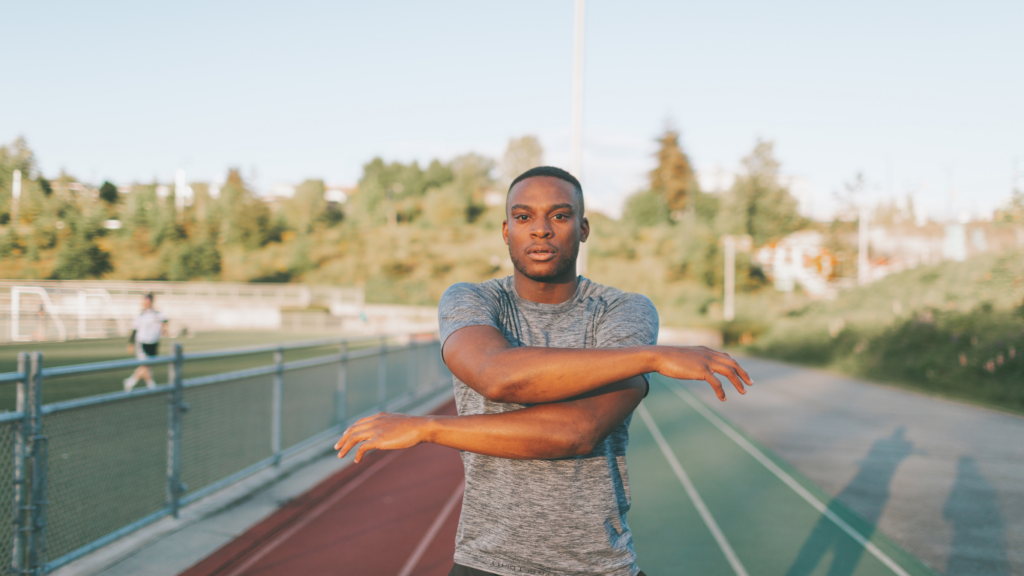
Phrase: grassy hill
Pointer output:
(955, 329)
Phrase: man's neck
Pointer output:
(554, 292)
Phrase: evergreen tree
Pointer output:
(108, 193)
(522, 154)
(758, 203)
(79, 256)
(645, 209)
(673, 179)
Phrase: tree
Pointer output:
(249, 221)
(14, 156)
(645, 209)
(1013, 210)
(673, 179)
(758, 204)
(108, 193)
(79, 256)
(306, 206)
(522, 154)
(196, 259)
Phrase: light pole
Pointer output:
(729, 307)
(863, 274)
(576, 166)
(15, 197)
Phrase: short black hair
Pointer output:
(552, 172)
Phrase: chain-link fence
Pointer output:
(87, 471)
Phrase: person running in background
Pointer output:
(147, 328)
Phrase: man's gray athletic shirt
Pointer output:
(566, 516)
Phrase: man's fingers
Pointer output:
(731, 362)
(730, 373)
(716, 385)
(354, 439)
(365, 447)
(743, 373)
(341, 441)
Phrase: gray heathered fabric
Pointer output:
(567, 516)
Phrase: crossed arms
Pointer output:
(581, 396)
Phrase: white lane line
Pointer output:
(786, 478)
(421, 548)
(282, 537)
(698, 502)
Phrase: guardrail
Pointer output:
(88, 471)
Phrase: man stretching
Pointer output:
(548, 368)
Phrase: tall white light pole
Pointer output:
(729, 308)
(15, 197)
(576, 166)
(863, 273)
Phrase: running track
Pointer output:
(706, 500)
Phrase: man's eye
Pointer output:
(520, 217)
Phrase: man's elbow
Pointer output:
(581, 441)
(494, 386)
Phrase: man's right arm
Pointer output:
(482, 358)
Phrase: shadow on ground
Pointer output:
(973, 510)
(869, 489)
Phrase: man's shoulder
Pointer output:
(488, 289)
(615, 298)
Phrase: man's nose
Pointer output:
(541, 228)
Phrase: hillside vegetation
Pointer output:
(955, 329)
(409, 231)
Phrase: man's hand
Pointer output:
(131, 348)
(545, 431)
(382, 431)
(702, 363)
(482, 358)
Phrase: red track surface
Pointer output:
(381, 517)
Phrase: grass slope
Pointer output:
(955, 329)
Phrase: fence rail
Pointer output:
(90, 470)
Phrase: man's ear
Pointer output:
(584, 229)
(504, 231)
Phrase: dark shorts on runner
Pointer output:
(459, 570)
(150, 349)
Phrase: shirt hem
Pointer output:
(514, 570)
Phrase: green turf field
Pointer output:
(84, 351)
(707, 500)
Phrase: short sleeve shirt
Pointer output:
(148, 325)
(547, 517)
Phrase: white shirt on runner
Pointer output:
(148, 325)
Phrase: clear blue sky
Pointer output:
(920, 96)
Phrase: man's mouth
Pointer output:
(541, 253)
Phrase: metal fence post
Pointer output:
(36, 534)
(382, 375)
(411, 364)
(21, 435)
(276, 401)
(176, 408)
(341, 391)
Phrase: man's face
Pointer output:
(146, 303)
(543, 229)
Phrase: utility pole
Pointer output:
(577, 111)
(179, 195)
(863, 274)
(15, 197)
(729, 309)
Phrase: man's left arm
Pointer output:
(545, 431)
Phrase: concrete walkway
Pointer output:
(944, 479)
